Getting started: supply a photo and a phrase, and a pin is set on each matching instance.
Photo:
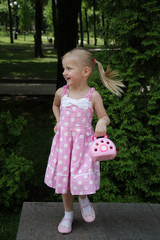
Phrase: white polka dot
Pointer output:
(62, 128)
(87, 133)
(72, 119)
(83, 120)
(80, 154)
(64, 190)
(85, 176)
(66, 134)
(86, 155)
(90, 160)
(79, 182)
(66, 124)
(65, 157)
(54, 143)
(69, 139)
(77, 147)
(65, 168)
(59, 185)
(88, 114)
(68, 112)
(86, 187)
(63, 118)
(80, 171)
(64, 179)
(50, 182)
(81, 193)
(90, 170)
(65, 145)
(81, 136)
(77, 125)
(90, 182)
(61, 139)
(60, 162)
(73, 134)
(55, 177)
(78, 114)
(85, 165)
(60, 150)
(74, 108)
(72, 169)
(74, 158)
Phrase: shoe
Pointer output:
(65, 230)
(88, 218)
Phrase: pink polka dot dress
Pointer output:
(70, 165)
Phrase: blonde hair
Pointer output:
(109, 78)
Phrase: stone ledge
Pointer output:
(114, 221)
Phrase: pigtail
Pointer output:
(110, 79)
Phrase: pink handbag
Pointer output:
(102, 149)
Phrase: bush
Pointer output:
(15, 169)
(134, 175)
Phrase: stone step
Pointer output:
(114, 221)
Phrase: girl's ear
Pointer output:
(86, 71)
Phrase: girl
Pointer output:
(70, 169)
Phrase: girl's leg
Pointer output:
(68, 201)
(65, 225)
(86, 209)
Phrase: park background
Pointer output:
(34, 35)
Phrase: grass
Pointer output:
(17, 60)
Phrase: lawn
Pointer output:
(17, 60)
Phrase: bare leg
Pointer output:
(68, 201)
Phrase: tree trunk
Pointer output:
(81, 26)
(94, 17)
(10, 22)
(38, 26)
(67, 32)
(87, 30)
(54, 17)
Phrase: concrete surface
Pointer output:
(27, 88)
(114, 221)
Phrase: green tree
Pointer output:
(25, 16)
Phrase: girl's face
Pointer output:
(72, 73)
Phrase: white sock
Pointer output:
(67, 223)
(84, 202)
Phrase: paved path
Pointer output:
(30, 87)
(114, 221)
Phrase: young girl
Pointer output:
(70, 169)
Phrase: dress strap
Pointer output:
(89, 94)
(65, 89)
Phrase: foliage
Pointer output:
(134, 175)
(15, 169)
(25, 16)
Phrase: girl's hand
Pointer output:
(101, 128)
(56, 128)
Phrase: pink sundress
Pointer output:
(70, 165)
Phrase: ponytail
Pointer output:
(110, 79)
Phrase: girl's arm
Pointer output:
(104, 121)
(56, 106)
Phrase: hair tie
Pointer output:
(95, 61)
